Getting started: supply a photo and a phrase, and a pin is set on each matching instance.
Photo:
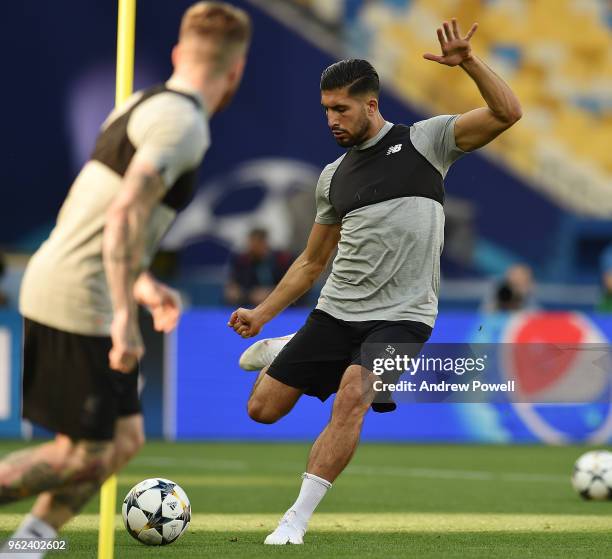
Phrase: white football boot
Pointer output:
(262, 353)
(290, 531)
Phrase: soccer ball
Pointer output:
(592, 477)
(156, 511)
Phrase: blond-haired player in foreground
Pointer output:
(82, 288)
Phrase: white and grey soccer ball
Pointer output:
(156, 511)
(592, 477)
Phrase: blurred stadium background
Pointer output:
(528, 257)
(539, 197)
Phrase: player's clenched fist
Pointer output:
(245, 322)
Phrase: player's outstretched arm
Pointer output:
(122, 248)
(477, 128)
(299, 278)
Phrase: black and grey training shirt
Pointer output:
(64, 285)
(388, 195)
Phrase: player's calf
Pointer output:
(26, 472)
(65, 474)
(56, 507)
(353, 399)
(52, 465)
(330, 454)
(335, 447)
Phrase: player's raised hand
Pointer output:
(127, 347)
(246, 323)
(455, 49)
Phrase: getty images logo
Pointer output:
(394, 149)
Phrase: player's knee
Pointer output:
(129, 445)
(138, 442)
(263, 412)
(129, 439)
(60, 451)
(92, 460)
(61, 454)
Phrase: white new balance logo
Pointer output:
(394, 149)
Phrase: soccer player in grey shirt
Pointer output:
(82, 288)
(381, 205)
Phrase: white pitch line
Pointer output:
(347, 522)
(360, 469)
(474, 475)
(204, 463)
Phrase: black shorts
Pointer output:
(68, 386)
(315, 358)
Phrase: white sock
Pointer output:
(312, 492)
(31, 527)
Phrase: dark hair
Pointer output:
(259, 233)
(359, 75)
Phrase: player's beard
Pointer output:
(360, 136)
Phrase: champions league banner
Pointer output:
(527, 377)
(543, 377)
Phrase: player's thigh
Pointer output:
(315, 359)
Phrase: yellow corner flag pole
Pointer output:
(126, 27)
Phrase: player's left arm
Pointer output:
(478, 127)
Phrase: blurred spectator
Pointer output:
(255, 272)
(514, 292)
(605, 305)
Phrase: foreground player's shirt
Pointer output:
(388, 195)
(65, 284)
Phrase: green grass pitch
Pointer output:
(394, 500)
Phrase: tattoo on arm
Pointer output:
(124, 234)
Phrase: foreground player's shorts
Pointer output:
(68, 386)
(315, 359)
